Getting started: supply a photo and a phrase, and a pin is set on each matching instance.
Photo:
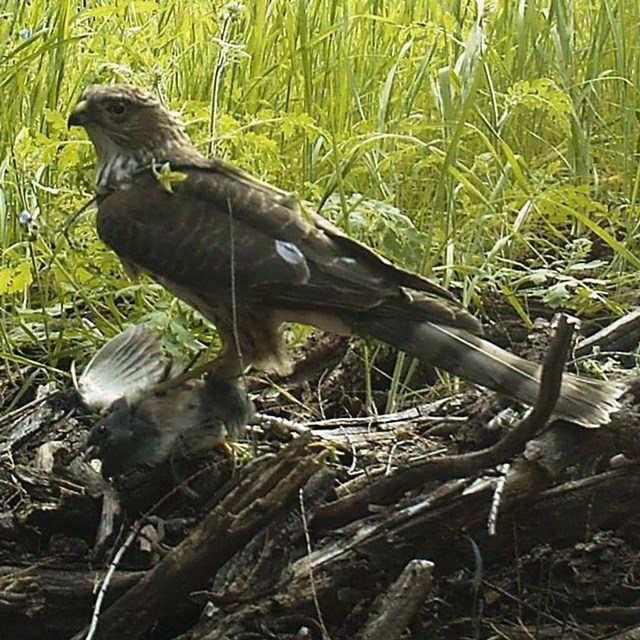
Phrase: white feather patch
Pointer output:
(128, 364)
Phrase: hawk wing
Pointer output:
(219, 229)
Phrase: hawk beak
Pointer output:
(78, 115)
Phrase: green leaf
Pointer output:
(15, 279)
(166, 176)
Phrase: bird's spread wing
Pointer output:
(217, 228)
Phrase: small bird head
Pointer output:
(124, 439)
(130, 129)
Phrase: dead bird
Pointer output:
(144, 426)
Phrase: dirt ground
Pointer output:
(309, 529)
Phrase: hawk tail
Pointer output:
(582, 401)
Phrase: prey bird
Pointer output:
(144, 427)
(192, 417)
(250, 257)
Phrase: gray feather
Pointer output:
(585, 402)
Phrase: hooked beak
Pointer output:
(78, 116)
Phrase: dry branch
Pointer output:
(619, 336)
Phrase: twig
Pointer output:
(97, 607)
(289, 425)
(413, 414)
(497, 495)
(314, 592)
(621, 335)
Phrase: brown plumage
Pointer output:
(249, 257)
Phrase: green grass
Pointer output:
(498, 148)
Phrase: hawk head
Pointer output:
(129, 129)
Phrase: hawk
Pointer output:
(249, 257)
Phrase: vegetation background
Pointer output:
(493, 145)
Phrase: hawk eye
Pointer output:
(117, 108)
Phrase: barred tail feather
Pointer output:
(582, 401)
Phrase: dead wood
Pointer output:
(52, 502)
(392, 612)
(264, 488)
(269, 555)
(19, 424)
(54, 601)
(343, 571)
(622, 335)
(615, 615)
(258, 578)
(631, 634)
